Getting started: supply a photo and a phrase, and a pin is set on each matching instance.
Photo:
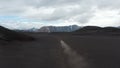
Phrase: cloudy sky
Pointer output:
(24, 14)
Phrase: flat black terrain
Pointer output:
(19, 50)
(99, 51)
(44, 52)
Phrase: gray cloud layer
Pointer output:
(80, 11)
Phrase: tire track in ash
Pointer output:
(74, 60)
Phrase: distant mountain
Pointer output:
(27, 30)
(10, 35)
(58, 28)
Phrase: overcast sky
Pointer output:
(37, 13)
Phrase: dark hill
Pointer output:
(10, 35)
(89, 28)
(95, 30)
(110, 29)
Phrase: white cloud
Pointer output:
(105, 18)
(22, 25)
(82, 12)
